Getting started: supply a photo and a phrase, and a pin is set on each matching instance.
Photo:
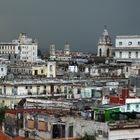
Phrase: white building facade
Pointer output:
(132, 104)
(23, 48)
(51, 69)
(127, 48)
(3, 70)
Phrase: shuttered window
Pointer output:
(30, 124)
(41, 125)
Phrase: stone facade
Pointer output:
(104, 45)
(127, 48)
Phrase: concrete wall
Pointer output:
(125, 54)
(51, 71)
(3, 70)
(124, 134)
(126, 41)
(82, 126)
(104, 49)
(41, 70)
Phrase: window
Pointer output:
(120, 43)
(30, 124)
(128, 106)
(129, 55)
(129, 43)
(137, 106)
(1, 69)
(65, 89)
(136, 54)
(100, 132)
(100, 52)
(51, 68)
(120, 54)
(138, 42)
(71, 131)
(108, 52)
(42, 71)
(78, 91)
(126, 69)
(0, 91)
(41, 125)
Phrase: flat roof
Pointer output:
(107, 106)
(20, 110)
(127, 36)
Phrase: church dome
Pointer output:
(105, 39)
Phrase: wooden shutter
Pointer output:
(30, 124)
(41, 125)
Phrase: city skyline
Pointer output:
(79, 23)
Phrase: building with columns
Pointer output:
(104, 45)
(127, 48)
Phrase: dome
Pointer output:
(105, 39)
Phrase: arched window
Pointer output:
(100, 52)
(107, 52)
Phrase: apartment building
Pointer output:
(127, 48)
(23, 48)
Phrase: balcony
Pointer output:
(124, 124)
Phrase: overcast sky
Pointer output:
(79, 22)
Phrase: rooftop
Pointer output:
(127, 36)
(107, 106)
(20, 110)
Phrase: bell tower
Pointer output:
(104, 44)
(67, 49)
(52, 51)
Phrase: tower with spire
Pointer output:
(66, 49)
(52, 52)
(104, 44)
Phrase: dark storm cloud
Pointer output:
(79, 22)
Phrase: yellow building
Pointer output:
(39, 70)
(48, 70)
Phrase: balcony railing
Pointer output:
(123, 124)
